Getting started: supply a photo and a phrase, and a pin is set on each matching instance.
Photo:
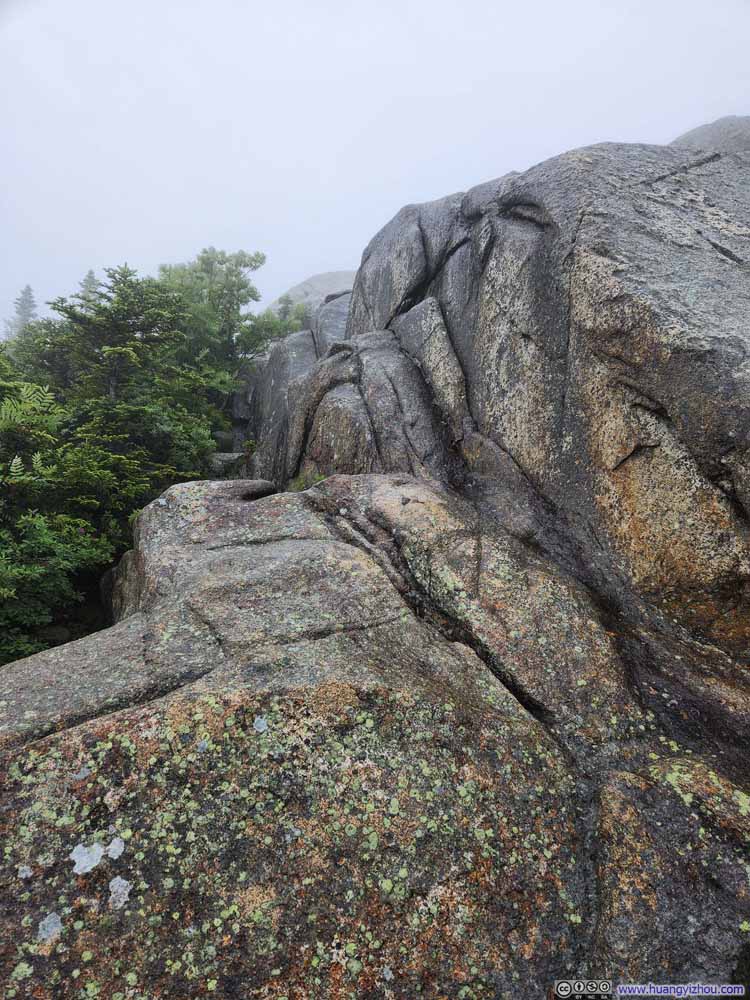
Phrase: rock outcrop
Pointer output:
(470, 714)
(313, 291)
(728, 135)
(260, 411)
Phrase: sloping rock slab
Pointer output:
(354, 776)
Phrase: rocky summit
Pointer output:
(452, 698)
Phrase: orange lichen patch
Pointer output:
(676, 529)
(188, 711)
(480, 776)
(629, 870)
(257, 899)
(315, 861)
(626, 840)
(722, 618)
(333, 698)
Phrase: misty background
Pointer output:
(144, 131)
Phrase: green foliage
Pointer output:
(293, 317)
(269, 325)
(115, 338)
(304, 481)
(40, 553)
(215, 288)
(39, 557)
(28, 413)
(102, 406)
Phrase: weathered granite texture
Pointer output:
(472, 713)
(581, 330)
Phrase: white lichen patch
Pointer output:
(119, 892)
(50, 928)
(86, 858)
(116, 848)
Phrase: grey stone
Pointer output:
(329, 321)
(224, 439)
(231, 463)
(313, 291)
(269, 388)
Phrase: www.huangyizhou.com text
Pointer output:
(679, 990)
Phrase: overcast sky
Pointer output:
(142, 131)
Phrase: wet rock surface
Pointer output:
(469, 714)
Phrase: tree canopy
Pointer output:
(103, 405)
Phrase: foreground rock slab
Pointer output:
(345, 801)
(363, 784)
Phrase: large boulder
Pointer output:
(579, 321)
(470, 714)
(260, 410)
(598, 309)
(336, 794)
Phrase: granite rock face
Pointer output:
(259, 410)
(580, 331)
(471, 713)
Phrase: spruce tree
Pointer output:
(25, 313)
(89, 287)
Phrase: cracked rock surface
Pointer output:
(470, 714)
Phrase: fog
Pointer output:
(144, 131)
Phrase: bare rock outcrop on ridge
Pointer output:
(472, 713)
(730, 134)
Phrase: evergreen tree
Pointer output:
(120, 334)
(102, 406)
(89, 286)
(46, 537)
(25, 313)
(285, 307)
(216, 288)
